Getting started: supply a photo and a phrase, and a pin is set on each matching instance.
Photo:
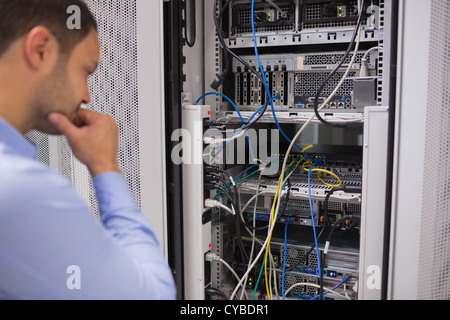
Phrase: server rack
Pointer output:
(299, 44)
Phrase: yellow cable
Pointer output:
(320, 174)
(329, 172)
(306, 148)
(270, 236)
(274, 202)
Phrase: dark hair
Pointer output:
(18, 17)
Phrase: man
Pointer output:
(51, 245)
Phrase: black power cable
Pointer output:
(346, 189)
(220, 78)
(216, 292)
(322, 86)
(242, 61)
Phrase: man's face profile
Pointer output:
(66, 88)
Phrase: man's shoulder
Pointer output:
(21, 172)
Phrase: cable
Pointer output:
(272, 222)
(343, 282)
(254, 225)
(356, 35)
(364, 71)
(259, 277)
(307, 254)
(239, 181)
(260, 76)
(216, 292)
(316, 286)
(347, 189)
(284, 259)
(210, 203)
(237, 135)
(214, 257)
(282, 181)
(327, 242)
(320, 173)
(223, 44)
(292, 144)
(212, 186)
(264, 81)
(243, 129)
(220, 78)
(312, 221)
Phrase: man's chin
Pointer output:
(49, 129)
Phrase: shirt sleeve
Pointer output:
(126, 223)
(52, 247)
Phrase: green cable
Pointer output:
(237, 182)
(259, 278)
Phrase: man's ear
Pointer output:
(40, 47)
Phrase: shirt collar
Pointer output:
(15, 142)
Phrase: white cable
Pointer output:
(249, 201)
(254, 224)
(356, 199)
(316, 286)
(364, 69)
(303, 116)
(210, 203)
(289, 151)
(218, 141)
(214, 257)
(366, 55)
(234, 273)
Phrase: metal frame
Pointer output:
(376, 133)
(373, 199)
(410, 141)
(151, 108)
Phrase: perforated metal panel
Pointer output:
(434, 262)
(114, 86)
(114, 91)
(42, 143)
(306, 84)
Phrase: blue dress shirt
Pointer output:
(53, 248)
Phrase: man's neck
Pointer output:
(15, 116)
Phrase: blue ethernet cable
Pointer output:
(344, 280)
(265, 81)
(312, 217)
(238, 112)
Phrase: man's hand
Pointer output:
(93, 138)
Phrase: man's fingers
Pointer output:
(61, 123)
